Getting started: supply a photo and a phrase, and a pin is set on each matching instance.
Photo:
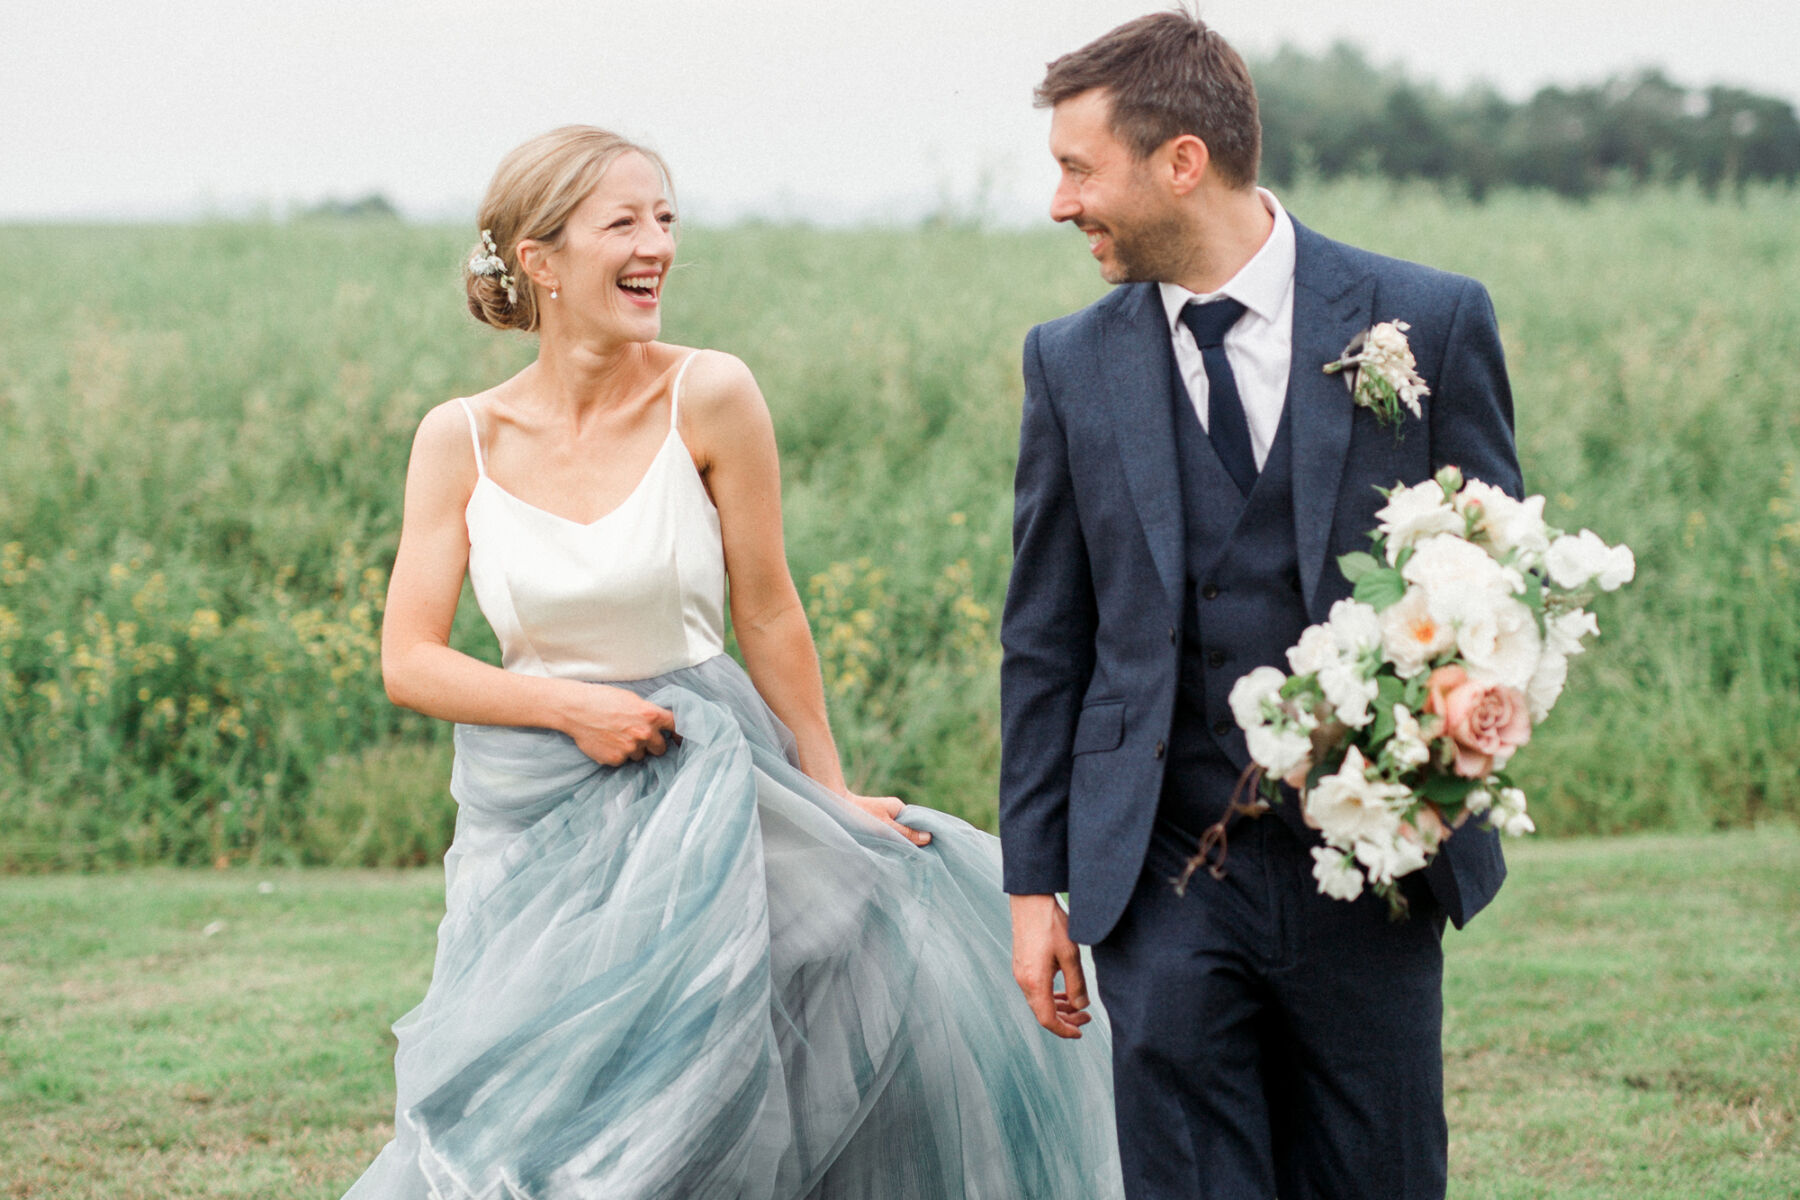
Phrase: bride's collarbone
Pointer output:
(581, 466)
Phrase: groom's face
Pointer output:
(1135, 230)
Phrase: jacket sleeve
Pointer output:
(1472, 417)
(1047, 638)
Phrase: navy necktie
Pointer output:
(1226, 426)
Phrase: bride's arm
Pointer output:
(726, 422)
(418, 666)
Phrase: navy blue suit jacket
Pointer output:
(1098, 573)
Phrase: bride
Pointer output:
(680, 958)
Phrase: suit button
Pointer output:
(1171, 635)
(1221, 728)
(1209, 592)
(1158, 752)
(1216, 659)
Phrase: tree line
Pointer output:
(1338, 114)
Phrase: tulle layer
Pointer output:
(704, 975)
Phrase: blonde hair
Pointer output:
(533, 191)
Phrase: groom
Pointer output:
(1188, 475)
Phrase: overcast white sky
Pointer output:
(793, 108)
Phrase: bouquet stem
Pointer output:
(1246, 799)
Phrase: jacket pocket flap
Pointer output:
(1101, 727)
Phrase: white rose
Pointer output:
(1461, 582)
(1355, 627)
(1575, 559)
(1546, 684)
(1389, 858)
(1249, 694)
(1336, 873)
(1618, 570)
(1388, 341)
(1277, 750)
(1478, 802)
(1315, 650)
(1410, 636)
(1565, 630)
(1408, 746)
(1347, 806)
(1415, 513)
(1511, 526)
(1349, 692)
(1508, 814)
(1501, 645)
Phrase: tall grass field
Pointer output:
(204, 430)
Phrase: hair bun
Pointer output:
(490, 304)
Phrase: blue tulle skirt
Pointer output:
(704, 975)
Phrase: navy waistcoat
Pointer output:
(1243, 610)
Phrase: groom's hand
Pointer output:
(1041, 949)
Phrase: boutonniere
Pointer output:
(1383, 375)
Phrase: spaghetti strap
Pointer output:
(474, 437)
(675, 393)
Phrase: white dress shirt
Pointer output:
(1260, 346)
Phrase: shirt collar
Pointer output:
(1261, 285)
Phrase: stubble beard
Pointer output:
(1153, 250)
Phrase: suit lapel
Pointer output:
(1135, 356)
(1332, 303)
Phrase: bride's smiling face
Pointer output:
(610, 264)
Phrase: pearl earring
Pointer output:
(553, 293)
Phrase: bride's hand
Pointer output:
(885, 809)
(613, 726)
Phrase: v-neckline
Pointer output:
(655, 462)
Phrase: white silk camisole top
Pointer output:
(639, 592)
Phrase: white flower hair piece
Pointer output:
(491, 266)
(1383, 373)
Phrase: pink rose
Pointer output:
(1484, 721)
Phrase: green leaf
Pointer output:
(1357, 564)
(1381, 588)
(1382, 727)
(1448, 791)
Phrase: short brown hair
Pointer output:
(532, 194)
(1167, 74)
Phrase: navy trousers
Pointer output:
(1269, 1041)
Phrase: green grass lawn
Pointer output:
(1625, 1022)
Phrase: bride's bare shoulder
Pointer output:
(443, 448)
(717, 383)
(723, 414)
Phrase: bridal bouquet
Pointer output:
(1405, 706)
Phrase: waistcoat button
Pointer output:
(1216, 659)
(1221, 728)
(1158, 752)
(1209, 592)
